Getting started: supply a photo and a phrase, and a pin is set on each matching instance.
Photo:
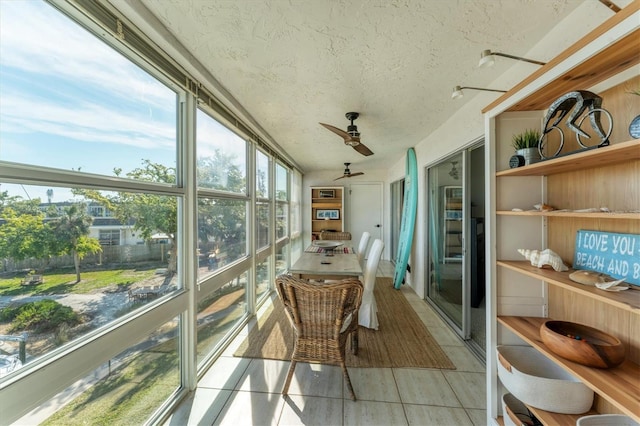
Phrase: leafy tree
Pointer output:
(70, 233)
(18, 204)
(219, 172)
(23, 236)
(148, 213)
(219, 220)
(222, 221)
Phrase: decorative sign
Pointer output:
(617, 255)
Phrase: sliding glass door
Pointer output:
(455, 281)
(446, 238)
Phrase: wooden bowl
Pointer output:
(582, 344)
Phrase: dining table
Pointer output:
(327, 264)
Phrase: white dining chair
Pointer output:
(368, 313)
(362, 247)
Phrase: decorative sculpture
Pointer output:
(545, 257)
(574, 104)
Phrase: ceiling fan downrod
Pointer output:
(352, 129)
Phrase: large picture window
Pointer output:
(71, 102)
(222, 156)
(74, 271)
(100, 232)
(222, 232)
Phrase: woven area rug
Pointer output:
(402, 340)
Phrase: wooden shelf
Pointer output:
(548, 418)
(560, 213)
(326, 200)
(620, 386)
(326, 205)
(607, 155)
(629, 300)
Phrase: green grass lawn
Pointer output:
(64, 282)
(140, 382)
(130, 394)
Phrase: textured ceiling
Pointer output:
(292, 64)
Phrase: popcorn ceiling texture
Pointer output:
(292, 64)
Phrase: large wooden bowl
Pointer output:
(582, 344)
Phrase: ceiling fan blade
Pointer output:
(363, 149)
(348, 175)
(339, 132)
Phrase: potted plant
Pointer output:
(526, 145)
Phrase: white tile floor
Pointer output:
(242, 391)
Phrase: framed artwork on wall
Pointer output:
(327, 193)
(331, 214)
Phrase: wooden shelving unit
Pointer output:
(523, 296)
(326, 198)
(620, 385)
(452, 224)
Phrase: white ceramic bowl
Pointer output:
(325, 244)
(606, 420)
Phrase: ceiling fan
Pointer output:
(347, 172)
(351, 136)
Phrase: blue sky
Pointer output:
(69, 101)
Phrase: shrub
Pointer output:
(39, 317)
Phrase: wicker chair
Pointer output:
(331, 235)
(323, 316)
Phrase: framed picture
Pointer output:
(327, 193)
(332, 214)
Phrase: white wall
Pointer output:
(467, 124)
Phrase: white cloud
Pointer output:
(60, 83)
(37, 39)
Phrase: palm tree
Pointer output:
(71, 232)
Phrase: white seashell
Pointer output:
(587, 277)
(545, 257)
(612, 285)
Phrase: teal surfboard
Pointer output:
(409, 207)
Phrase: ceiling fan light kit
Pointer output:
(351, 136)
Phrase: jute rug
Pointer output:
(401, 341)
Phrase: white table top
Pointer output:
(319, 264)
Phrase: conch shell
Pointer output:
(545, 257)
